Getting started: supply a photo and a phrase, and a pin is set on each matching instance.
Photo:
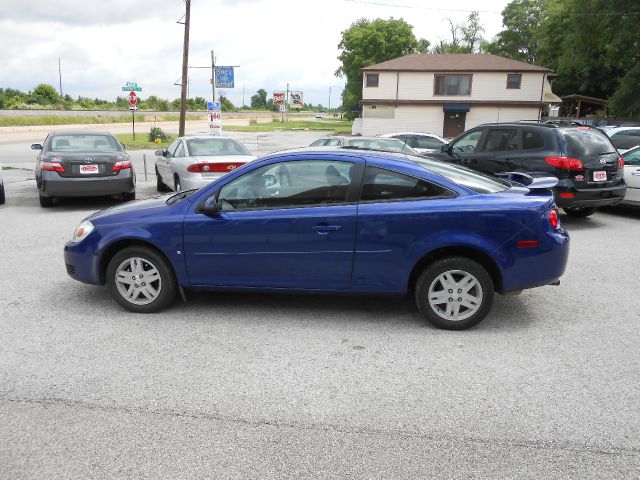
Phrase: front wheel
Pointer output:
(454, 293)
(2, 197)
(160, 186)
(141, 280)
(580, 212)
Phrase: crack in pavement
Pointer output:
(539, 445)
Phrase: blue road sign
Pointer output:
(213, 106)
(224, 77)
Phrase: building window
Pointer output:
(514, 80)
(451, 85)
(372, 79)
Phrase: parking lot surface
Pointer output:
(231, 385)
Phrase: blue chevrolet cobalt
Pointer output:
(339, 220)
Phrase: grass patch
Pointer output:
(89, 119)
(334, 126)
(142, 141)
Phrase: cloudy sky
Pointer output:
(105, 43)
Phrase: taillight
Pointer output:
(566, 195)
(620, 162)
(566, 163)
(123, 165)
(553, 219)
(52, 167)
(222, 167)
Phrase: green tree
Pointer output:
(465, 38)
(367, 42)
(259, 100)
(226, 105)
(44, 94)
(520, 39)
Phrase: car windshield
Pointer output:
(80, 142)
(209, 147)
(476, 181)
(389, 144)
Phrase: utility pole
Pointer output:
(287, 104)
(185, 68)
(213, 77)
(60, 76)
(329, 109)
(243, 94)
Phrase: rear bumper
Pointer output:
(53, 185)
(590, 197)
(189, 183)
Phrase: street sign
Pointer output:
(215, 118)
(131, 87)
(283, 108)
(224, 77)
(133, 107)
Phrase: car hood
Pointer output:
(223, 158)
(151, 206)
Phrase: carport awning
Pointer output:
(456, 107)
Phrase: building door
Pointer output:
(453, 124)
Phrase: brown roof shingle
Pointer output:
(454, 62)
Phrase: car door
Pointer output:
(162, 163)
(176, 161)
(498, 151)
(289, 224)
(632, 175)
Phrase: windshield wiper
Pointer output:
(180, 196)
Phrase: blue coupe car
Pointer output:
(340, 220)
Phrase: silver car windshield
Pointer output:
(74, 142)
(215, 146)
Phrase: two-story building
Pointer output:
(446, 94)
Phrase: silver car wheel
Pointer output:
(138, 281)
(455, 295)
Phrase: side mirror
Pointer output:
(36, 146)
(161, 153)
(269, 180)
(444, 148)
(209, 206)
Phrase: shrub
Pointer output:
(157, 135)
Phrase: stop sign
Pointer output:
(132, 98)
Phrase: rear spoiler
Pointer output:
(535, 184)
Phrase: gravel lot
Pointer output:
(282, 386)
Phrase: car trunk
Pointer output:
(216, 166)
(82, 165)
(597, 154)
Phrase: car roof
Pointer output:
(389, 135)
(79, 132)
(194, 137)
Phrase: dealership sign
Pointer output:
(224, 77)
(278, 98)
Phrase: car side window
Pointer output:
(632, 159)
(468, 142)
(384, 185)
(426, 142)
(501, 140)
(289, 185)
(172, 148)
(319, 143)
(179, 153)
(629, 133)
(333, 142)
(532, 140)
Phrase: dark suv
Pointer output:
(584, 160)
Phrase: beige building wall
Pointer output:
(484, 86)
(430, 119)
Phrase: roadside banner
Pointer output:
(278, 98)
(224, 77)
(215, 118)
(295, 100)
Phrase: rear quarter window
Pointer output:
(585, 143)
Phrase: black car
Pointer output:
(83, 164)
(588, 166)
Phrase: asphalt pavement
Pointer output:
(231, 385)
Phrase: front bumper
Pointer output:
(53, 185)
(81, 263)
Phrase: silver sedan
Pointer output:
(194, 161)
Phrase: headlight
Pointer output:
(82, 231)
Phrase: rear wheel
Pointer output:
(176, 183)
(128, 197)
(578, 212)
(141, 280)
(160, 186)
(46, 201)
(454, 293)
(2, 197)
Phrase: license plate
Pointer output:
(88, 169)
(600, 176)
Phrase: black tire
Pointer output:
(483, 290)
(580, 212)
(46, 202)
(176, 184)
(160, 186)
(128, 197)
(166, 284)
(2, 197)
